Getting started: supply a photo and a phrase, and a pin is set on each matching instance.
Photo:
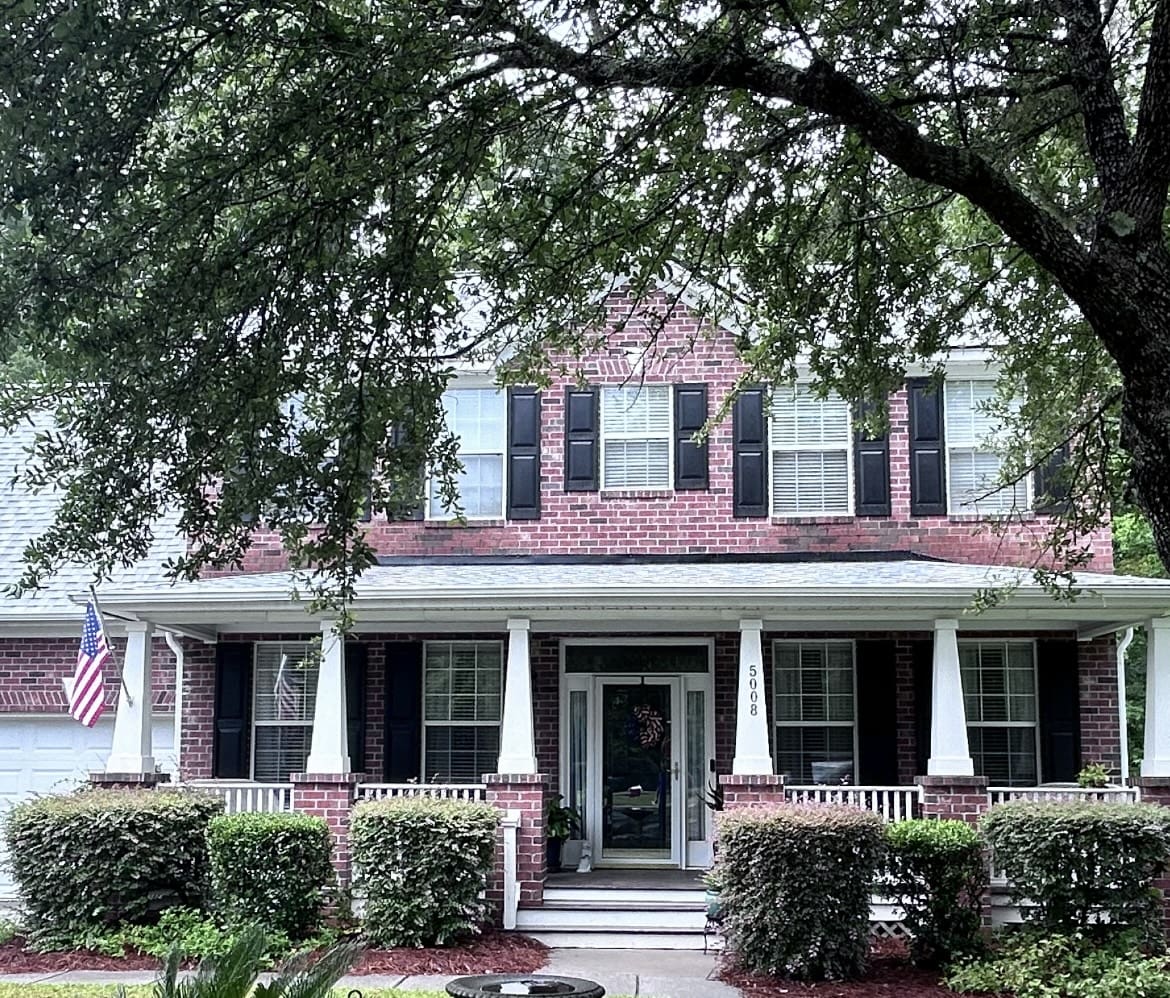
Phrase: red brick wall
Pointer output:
(694, 521)
(1100, 732)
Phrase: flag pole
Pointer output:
(102, 624)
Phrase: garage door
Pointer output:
(53, 753)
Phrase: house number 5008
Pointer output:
(754, 689)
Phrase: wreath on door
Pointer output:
(647, 726)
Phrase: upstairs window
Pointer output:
(999, 696)
(636, 437)
(973, 466)
(815, 711)
(811, 470)
(283, 698)
(477, 417)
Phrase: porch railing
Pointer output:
(892, 803)
(241, 797)
(447, 791)
(1109, 795)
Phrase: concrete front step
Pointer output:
(647, 897)
(610, 919)
(576, 939)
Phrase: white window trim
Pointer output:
(668, 436)
(1034, 724)
(274, 723)
(502, 452)
(777, 723)
(850, 484)
(949, 448)
(422, 705)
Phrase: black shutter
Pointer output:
(1050, 489)
(523, 454)
(355, 704)
(403, 711)
(922, 659)
(871, 455)
(400, 437)
(233, 701)
(581, 448)
(1058, 696)
(928, 494)
(877, 714)
(690, 458)
(749, 438)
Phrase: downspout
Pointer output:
(177, 649)
(1122, 709)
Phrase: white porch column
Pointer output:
(130, 751)
(329, 751)
(517, 737)
(1156, 758)
(950, 754)
(752, 757)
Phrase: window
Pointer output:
(635, 437)
(477, 417)
(973, 465)
(815, 711)
(462, 693)
(810, 453)
(999, 695)
(283, 695)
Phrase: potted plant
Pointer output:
(559, 823)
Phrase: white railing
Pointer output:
(447, 791)
(509, 826)
(1108, 795)
(244, 796)
(892, 803)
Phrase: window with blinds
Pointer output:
(636, 437)
(973, 465)
(811, 437)
(462, 705)
(999, 695)
(477, 416)
(813, 690)
(283, 694)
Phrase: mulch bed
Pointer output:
(492, 953)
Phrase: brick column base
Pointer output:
(525, 793)
(960, 797)
(329, 796)
(1156, 790)
(751, 790)
(128, 781)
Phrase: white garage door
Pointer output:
(51, 754)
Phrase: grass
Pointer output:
(146, 990)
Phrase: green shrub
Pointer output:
(187, 931)
(795, 885)
(421, 865)
(270, 870)
(1082, 864)
(85, 862)
(1061, 966)
(937, 874)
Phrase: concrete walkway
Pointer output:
(641, 973)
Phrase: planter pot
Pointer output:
(553, 854)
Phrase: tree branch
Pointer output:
(1151, 170)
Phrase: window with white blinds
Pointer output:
(813, 689)
(636, 437)
(462, 704)
(999, 696)
(973, 466)
(811, 437)
(284, 691)
(477, 416)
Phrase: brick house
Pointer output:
(631, 619)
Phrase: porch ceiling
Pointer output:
(659, 596)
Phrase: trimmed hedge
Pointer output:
(794, 888)
(1083, 864)
(937, 873)
(421, 865)
(87, 861)
(270, 870)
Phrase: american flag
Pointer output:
(288, 701)
(88, 699)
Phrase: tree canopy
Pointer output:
(236, 235)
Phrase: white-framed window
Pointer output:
(478, 417)
(816, 714)
(636, 442)
(463, 688)
(999, 695)
(284, 690)
(973, 466)
(812, 474)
